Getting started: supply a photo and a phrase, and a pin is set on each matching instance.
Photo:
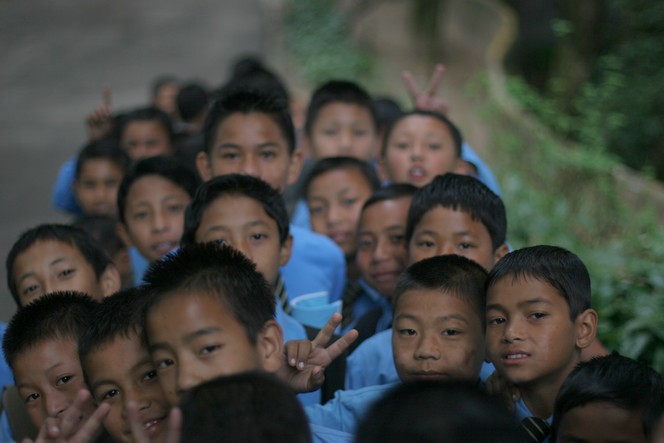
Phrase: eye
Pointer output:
(32, 397)
(142, 215)
(268, 154)
(349, 201)
(425, 244)
(258, 236)
(496, 321)
(66, 272)
(360, 132)
(451, 332)
(365, 244)
(408, 332)
(316, 209)
(150, 375)
(465, 245)
(175, 209)
(230, 155)
(63, 380)
(221, 241)
(110, 394)
(164, 364)
(209, 349)
(538, 315)
(30, 289)
(397, 239)
(330, 132)
(434, 146)
(402, 145)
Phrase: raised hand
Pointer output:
(306, 360)
(426, 100)
(99, 122)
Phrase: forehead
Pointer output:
(340, 112)
(517, 291)
(116, 357)
(447, 221)
(143, 127)
(421, 124)
(436, 303)
(46, 356)
(95, 165)
(154, 186)
(46, 252)
(339, 180)
(385, 213)
(237, 210)
(255, 126)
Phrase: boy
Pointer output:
(335, 190)
(539, 318)
(56, 257)
(341, 122)
(438, 334)
(151, 202)
(252, 133)
(609, 398)
(210, 313)
(454, 214)
(100, 167)
(41, 347)
(118, 369)
(382, 255)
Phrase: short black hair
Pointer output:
(393, 191)
(119, 315)
(249, 73)
(251, 407)
(60, 315)
(452, 274)
(434, 411)
(387, 111)
(169, 168)
(552, 265)
(248, 102)
(103, 229)
(454, 130)
(191, 101)
(90, 249)
(105, 149)
(147, 114)
(328, 164)
(460, 193)
(338, 91)
(220, 272)
(235, 185)
(614, 379)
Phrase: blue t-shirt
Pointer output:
(7, 379)
(63, 195)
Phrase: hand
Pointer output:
(497, 385)
(306, 360)
(100, 122)
(426, 100)
(172, 431)
(65, 429)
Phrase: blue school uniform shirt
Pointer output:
(321, 434)
(62, 196)
(484, 173)
(7, 379)
(368, 300)
(521, 411)
(372, 363)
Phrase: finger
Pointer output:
(338, 347)
(137, 430)
(435, 81)
(74, 414)
(106, 95)
(174, 426)
(317, 378)
(91, 427)
(325, 334)
(303, 353)
(411, 85)
(291, 352)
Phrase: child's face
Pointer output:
(335, 200)
(242, 223)
(382, 253)
(419, 148)
(251, 144)
(145, 138)
(51, 265)
(195, 338)
(436, 335)
(531, 339)
(343, 129)
(97, 187)
(601, 422)
(443, 231)
(49, 378)
(122, 372)
(154, 215)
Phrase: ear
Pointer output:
(121, 230)
(110, 280)
(295, 166)
(586, 328)
(500, 252)
(285, 251)
(203, 166)
(270, 342)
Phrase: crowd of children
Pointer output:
(209, 230)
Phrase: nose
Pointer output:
(345, 141)
(159, 222)
(382, 251)
(333, 214)
(135, 397)
(54, 404)
(447, 249)
(427, 348)
(513, 331)
(187, 377)
(417, 151)
(250, 166)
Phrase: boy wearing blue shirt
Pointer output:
(539, 319)
(252, 133)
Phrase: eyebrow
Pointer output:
(133, 369)
(525, 303)
(188, 338)
(229, 145)
(442, 318)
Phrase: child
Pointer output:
(118, 369)
(210, 314)
(341, 122)
(164, 91)
(55, 257)
(607, 399)
(430, 412)
(104, 230)
(382, 255)
(100, 167)
(438, 334)
(252, 133)
(454, 214)
(253, 407)
(41, 347)
(335, 190)
(151, 202)
(539, 319)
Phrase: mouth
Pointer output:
(164, 247)
(417, 173)
(339, 237)
(515, 357)
(428, 375)
(153, 426)
(385, 276)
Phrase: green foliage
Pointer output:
(567, 195)
(317, 35)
